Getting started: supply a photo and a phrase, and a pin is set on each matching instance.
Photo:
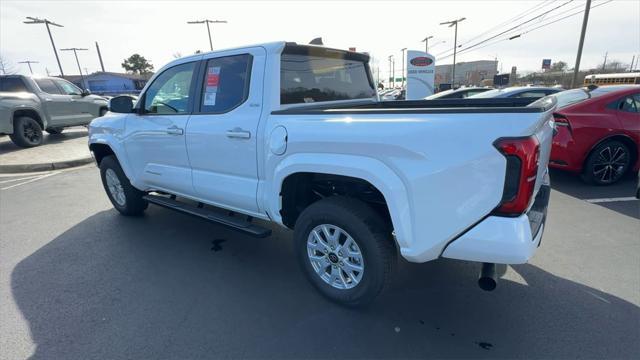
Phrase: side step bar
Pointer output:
(210, 215)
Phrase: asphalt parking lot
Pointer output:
(78, 281)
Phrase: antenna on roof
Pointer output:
(316, 41)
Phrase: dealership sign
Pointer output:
(421, 70)
(546, 64)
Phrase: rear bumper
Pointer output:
(504, 240)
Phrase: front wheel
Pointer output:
(607, 163)
(345, 250)
(124, 197)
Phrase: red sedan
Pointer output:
(598, 132)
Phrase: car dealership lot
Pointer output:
(79, 281)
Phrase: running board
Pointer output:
(210, 215)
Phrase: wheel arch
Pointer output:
(361, 170)
(625, 139)
(29, 112)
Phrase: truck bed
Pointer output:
(444, 106)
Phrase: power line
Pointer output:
(528, 31)
(517, 26)
(515, 18)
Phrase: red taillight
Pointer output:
(522, 170)
(561, 120)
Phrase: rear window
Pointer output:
(570, 97)
(12, 85)
(309, 78)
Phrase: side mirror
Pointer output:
(121, 104)
(85, 92)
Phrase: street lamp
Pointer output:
(75, 52)
(392, 65)
(207, 21)
(426, 43)
(28, 62)
(455, 46)
(33, 20)
(403, 50)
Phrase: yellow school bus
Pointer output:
(612, 79)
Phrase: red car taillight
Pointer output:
(522, 156)
(561, 120)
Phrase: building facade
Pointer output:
(467, 73)
(111, 83)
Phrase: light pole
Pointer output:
(402, 75)
(28, 62)
(426, 43)
(75, 52)
(392, 75)
(33, 20)
(207, 21)
(455, 46)
(585, 19)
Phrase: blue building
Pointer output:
(111, 83)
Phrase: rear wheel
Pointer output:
(345, 250)
(607, 163)
(55, 131)
(27, 132)
(124, 197)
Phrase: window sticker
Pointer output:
(211, 90)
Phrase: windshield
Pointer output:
(306, 78)
(570, 97)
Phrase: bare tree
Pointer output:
(6, 67)
(177, 55)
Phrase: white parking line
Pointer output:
(29, 180)
(604, 200)
(19, 179)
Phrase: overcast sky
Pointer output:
(158, 29)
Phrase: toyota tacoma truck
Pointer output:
(29, 105)
(295, 135)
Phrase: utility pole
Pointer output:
(33, 20)
(28, 62)
(391, 75)
(585, 19)
(632, 60)
(402, 75)
(75, 52)
(207, 21)
(100, 57)
(455, 46)
(604, 64)
(426, 43)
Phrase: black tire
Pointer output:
(27, 132)
(373, 238)
(133, 204)
(607, 163)
(55, 131)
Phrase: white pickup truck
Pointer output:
(295, 135)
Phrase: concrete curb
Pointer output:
(25, 168)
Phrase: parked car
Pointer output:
(29, 105)
(534, 92)
(395, 94)
(294, 134)
(459, 93)
(598, 132)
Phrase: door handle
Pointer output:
(174, 130)
(238, 133)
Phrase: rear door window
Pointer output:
(226, 83)
(48, 86)
(12, 84)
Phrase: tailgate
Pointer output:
(544, 134)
